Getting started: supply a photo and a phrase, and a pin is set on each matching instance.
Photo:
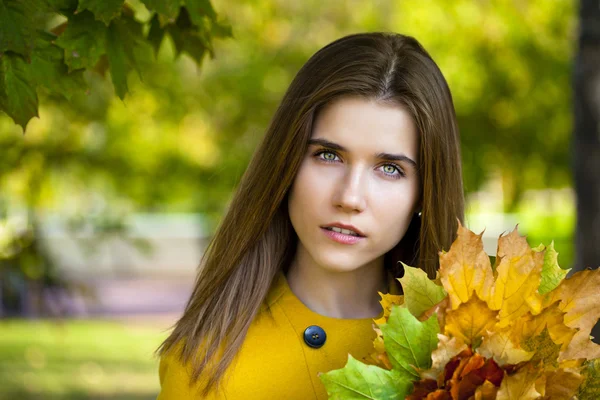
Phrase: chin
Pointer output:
(340, 263)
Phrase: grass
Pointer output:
(78, 360)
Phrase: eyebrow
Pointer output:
(383, 156)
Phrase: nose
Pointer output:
(349, 195)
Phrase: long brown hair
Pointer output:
(255, 239)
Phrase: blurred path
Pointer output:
(155, 301)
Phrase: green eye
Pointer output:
(328, 156)
(389, 169)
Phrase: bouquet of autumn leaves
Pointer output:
(515, 330)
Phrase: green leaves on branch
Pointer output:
(192, 31)
(167, 9)
(104, 10)
(48, 70)
(18, 97)
(83, 41)
(126, 49)
(97, 33)
(20, 80)
(16, 33)
(86, 40)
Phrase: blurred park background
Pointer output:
(106, 204)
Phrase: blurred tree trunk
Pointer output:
(586, 145)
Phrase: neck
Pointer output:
(349, 295)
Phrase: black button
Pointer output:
(314, 336)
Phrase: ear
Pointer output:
(418, 207)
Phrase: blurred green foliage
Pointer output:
(181, 139)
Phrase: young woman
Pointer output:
(358, 170)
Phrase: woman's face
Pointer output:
(360, 173)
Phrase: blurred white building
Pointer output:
(152, 245)
(125, 279)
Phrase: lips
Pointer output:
(341, 237)
(345, 229)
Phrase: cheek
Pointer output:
(307, 191)
(393, 207)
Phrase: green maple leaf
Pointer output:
(117, 58)
(552, 273)
(420, 293)
(590, 388)
(409, 342)
(63, 5)
(167, 8)
(204, 16)
(360, 381)
(156, 33)
(17, 27)
(48, 70)
(190, 38)
(127, 49)
(84, 41)
(199, 9)
(104, 10)
(18, 97)
(19, 80)
(222, 29)
(193, 29)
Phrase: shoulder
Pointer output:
(271, 353)
(174, 377)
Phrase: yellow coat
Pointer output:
(274, 361)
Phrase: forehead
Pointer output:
(361, 124)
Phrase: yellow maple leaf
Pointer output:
(520, 385)
(561, 384)
(518, 277)
(466, 268)
(574, 365)
(378, 342)
(579, 297)
(387, 301)
(499, 346)
(551, 318)
(471, 321)
(380, 357)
